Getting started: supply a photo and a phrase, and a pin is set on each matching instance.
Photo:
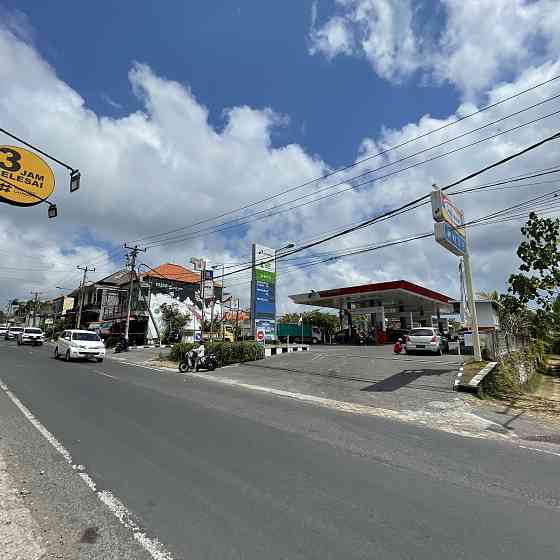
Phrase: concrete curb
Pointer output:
(475, 384)
(277, 350)
(457, 381)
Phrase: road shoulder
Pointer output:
(63, 517)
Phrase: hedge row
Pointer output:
(179, 350)
(226, 352)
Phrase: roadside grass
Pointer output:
(540, 395)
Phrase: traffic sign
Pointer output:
(25, 178)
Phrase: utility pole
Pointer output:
(35, 300)
(86, 269)
(222, 302)
(237, 319)
(472, 303)
(132, 260)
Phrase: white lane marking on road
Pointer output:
(154, 547)
(539, 450)
(151, 544)
(105, 374)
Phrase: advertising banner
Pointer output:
(25, 178)
(263, 292)
(444, 211)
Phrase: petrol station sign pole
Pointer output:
(451, 232)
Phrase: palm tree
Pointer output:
(489, 296)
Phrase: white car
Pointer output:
(31, 335)
(424, 339)
(74, 344)
(3, 330)
(12, 333)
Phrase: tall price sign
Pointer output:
(450, 224)
(263, 291)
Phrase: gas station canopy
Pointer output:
(398, 300)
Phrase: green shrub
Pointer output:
(235, 352)
(180, 349)
(225, 352)
(505, 379)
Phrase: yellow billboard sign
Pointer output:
(25, 178)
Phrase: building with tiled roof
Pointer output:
(176, 272)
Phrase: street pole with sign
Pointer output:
(451, 232)
(200, 265)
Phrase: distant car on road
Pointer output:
(13, 332)
(3, 330)
(425, 339)
(31, 335)
(73, 344)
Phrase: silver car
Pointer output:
(425, 339)
(31, 335)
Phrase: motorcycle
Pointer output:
(208, 362)
(122, 346)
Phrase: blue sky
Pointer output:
(255, 53)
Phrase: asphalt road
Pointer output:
(218, 472)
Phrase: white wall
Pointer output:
(486, 314)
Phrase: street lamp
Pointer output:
(75, 180)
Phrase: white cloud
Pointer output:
(334, 38)
(110, 101)
(481, 42)
(379, 29)
(165, 167)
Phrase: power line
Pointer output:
(465, 191)
(408, 205)
(358, 162)
(218, 228)
(297, 268)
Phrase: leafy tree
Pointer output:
(538, 278)
(290, 318)
(327, 322)
(536, 282)
(173, 318)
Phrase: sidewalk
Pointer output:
(47, 511)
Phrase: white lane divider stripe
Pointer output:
(151, 544)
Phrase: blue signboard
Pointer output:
(450, 238)
(263, 292)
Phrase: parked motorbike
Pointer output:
(122, 346)
(186, 363)
(208, 362)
